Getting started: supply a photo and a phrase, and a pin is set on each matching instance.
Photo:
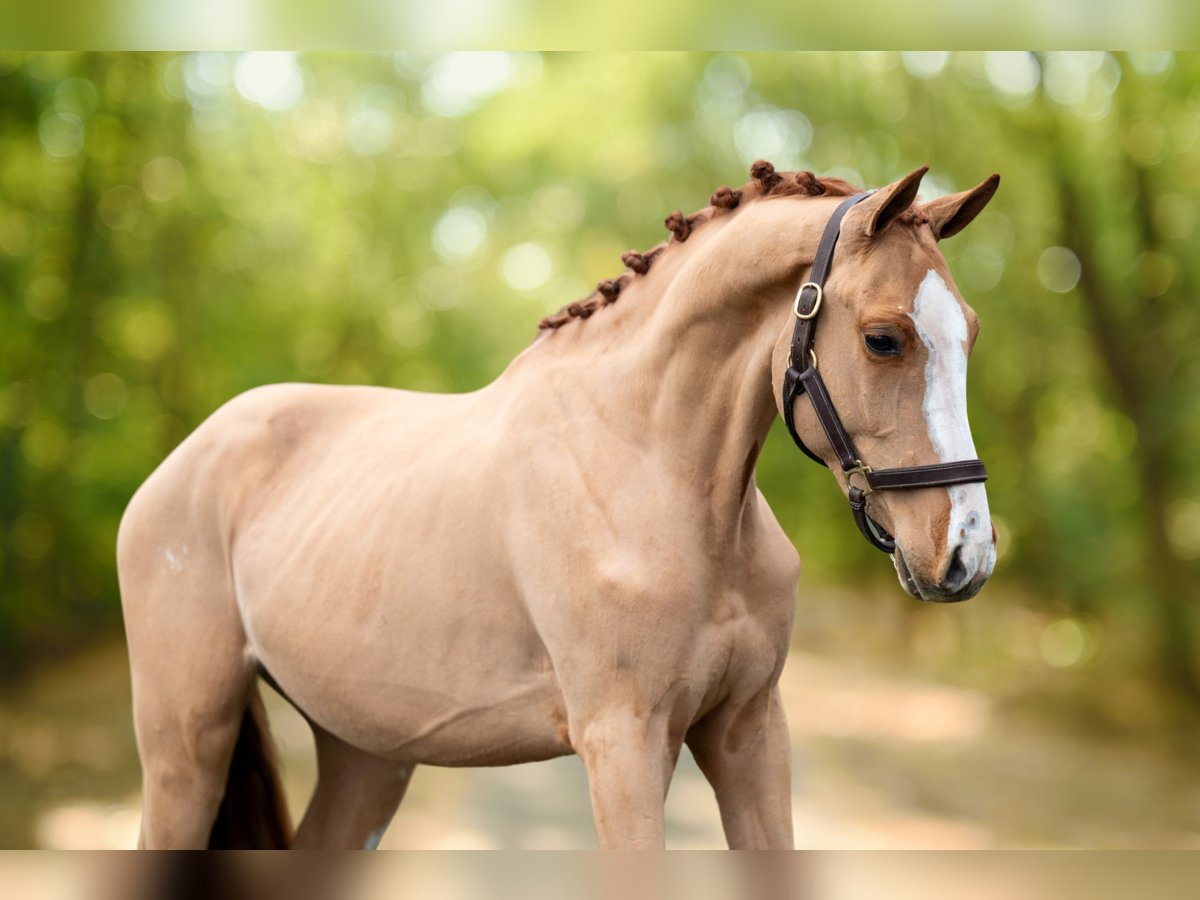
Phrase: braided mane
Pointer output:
(765, 182)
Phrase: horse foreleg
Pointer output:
(743, 750)
(629, 761)
(356, 796)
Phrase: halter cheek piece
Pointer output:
(808, 303)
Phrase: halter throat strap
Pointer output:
(808, 380)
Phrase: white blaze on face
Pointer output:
(942, 328)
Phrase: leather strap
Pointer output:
(965, 471)
(871, 530)
(810, 295)
(831, 423)
(791, 390)
(809, 299)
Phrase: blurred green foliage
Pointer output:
(175, 229)
(617, 24)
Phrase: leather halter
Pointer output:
(808, 303)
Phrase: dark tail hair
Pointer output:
(253, 814)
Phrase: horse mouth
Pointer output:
(906, 580)
(929, 594)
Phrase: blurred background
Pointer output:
(175, 229)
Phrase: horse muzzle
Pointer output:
(965, 572)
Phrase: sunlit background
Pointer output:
(616, 24)
(175, 229)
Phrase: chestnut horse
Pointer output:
(572, 559)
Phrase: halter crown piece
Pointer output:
(808, 304)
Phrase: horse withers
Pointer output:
(572, 559)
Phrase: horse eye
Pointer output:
(882, 345)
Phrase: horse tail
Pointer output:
(253, 813)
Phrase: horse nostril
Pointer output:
(956, 573)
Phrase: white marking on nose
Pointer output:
(174, 563)
(942, 328)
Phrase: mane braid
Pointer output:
(765, 183)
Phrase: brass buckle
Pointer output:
(816, 306)
(812, 354)
(859, 468)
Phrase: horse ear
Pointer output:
(951, 214)
(887, 203)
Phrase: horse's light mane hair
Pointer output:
(765, 183)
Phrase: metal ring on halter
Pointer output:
(865, 471)
(816, 306)
(812, 355)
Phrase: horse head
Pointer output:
(892, 347)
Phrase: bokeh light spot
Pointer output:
(272, 79)
(45, 297)
(559, 207)
(1063, 643)
(981, 266)
(163, 179)
(61, 134)
(369, 131)
(924, 63)
(1151, 62)
(458, 82)
(1058, 269)
(440, 287)
(17, 402)
(527, 267)
(780, 135)
(1013, 73)
(146, 332)
(205, 73)
(459, 233)
(1183, 527)
(727, 76)
(1154, 273)
(104, 395)
(1145, 141)
(43, 443)
(1175, 216)
(16, 232)
(409, 324)
(316, 133)
(76, 96)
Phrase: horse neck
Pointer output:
(679, 366)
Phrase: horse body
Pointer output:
(573, 559)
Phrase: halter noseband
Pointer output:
(795, 382)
